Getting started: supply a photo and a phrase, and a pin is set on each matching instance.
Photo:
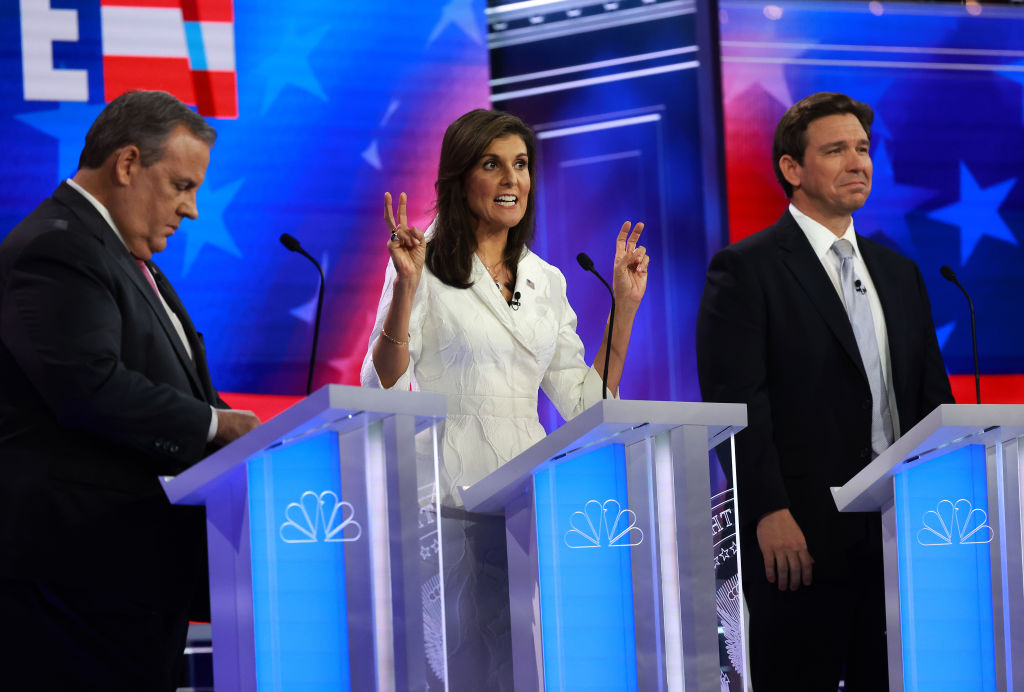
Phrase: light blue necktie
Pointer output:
(858, 308)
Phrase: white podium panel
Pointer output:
(324, 555)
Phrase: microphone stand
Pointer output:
(588, 265)
(292, 244)
(949, 275)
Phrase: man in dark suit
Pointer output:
(828, 339)
(105, 388)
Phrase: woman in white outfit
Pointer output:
(469, 311)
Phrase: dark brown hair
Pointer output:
(791, 132)
(450, 249)
(142, 118)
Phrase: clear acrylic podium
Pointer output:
(949, 492)
(608, 526)
(324, 554)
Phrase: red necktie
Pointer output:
(147, 274)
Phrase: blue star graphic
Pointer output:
(307, 311)
(944, 332)
(890, 202)
(462, 14)
(209, 228)
(879, 130)
(977, 213)
(67, 123)
(289, 65)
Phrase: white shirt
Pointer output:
(821, 240)
(175, 320)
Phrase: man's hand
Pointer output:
(231, 425)
(785, 550)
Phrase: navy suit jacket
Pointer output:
(772, 333)
(98, 400)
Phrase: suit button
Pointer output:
(174, 449)
(159, 444)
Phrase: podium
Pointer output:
(609, 540)
(324, 555)
(949, 492)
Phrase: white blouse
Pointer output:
(489, 360)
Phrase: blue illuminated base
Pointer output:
(585, 535)
(945, 578)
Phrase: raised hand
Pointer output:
(407, 246)
(629, 275)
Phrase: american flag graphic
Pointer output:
(185, 47)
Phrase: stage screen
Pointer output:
(321, 106)
(945, 81)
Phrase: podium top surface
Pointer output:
(607, 422)
(947, 428)
(332, 407)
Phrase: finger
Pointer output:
(415, 236)
(620, 242)
(769, 566)
(643, 265)
(401, 211)
(782, 565)
(389, 215)
(795, 571)
(806, 567)
(639, 253)
(409, 238)
(634, 236)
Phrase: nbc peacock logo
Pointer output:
(320, 518)
(955, 523)
(603, 525)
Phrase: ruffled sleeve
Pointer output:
(368, 374)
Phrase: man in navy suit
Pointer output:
(777, 330)
(105, 388)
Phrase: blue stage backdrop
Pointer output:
(946, 84)
(614, 91)
(321, 106)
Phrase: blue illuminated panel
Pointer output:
(584, 536)
(299, 611)
(945, 574)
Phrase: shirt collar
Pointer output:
(99, 207)
(820, 238)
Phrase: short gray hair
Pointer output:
(142, 118)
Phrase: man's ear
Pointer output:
(791, 170)
(127, 162)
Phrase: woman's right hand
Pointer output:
(408, 248)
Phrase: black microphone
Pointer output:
(292, 244)
(588, 265)
(514, 303)
(950, 276)
(859, 287)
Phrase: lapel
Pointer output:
(799, 258)
(197, 363)
(487, 293)
(131, 272)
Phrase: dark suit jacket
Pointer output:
(772, 333)
(98, 399)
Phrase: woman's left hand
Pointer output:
(629, 275)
